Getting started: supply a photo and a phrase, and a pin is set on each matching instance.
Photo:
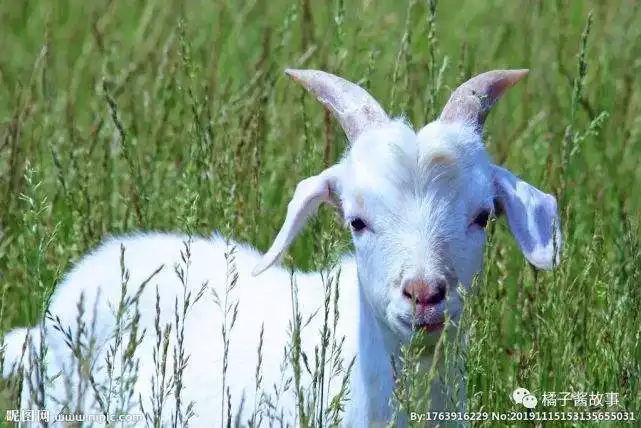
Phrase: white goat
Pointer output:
(417, 205)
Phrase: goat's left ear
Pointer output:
(532, 216)
(309, 195)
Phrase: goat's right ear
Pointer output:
(309, 194)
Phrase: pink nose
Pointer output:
(424, 293)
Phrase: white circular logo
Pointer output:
(519, 394)
(530, 401)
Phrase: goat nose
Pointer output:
(424, 293)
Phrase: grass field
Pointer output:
(170, 115)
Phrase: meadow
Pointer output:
(171, 115)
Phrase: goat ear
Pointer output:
(532, 216)
(309, 194)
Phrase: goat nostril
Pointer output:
(438, 296)
(421, 293)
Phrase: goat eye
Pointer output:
(482, 219)
(357, 224)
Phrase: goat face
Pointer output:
(418, 203)
(417, 206)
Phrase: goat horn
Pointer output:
(471, 102)
(351, 105)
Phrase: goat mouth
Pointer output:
(428, 327)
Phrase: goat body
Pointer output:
(417, 204)
(266, 300)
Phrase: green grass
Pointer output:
(168, 115)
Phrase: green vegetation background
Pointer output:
(173, 115)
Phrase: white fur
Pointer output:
(261, 300)
(417, 192)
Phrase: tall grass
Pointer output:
(169, 115)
